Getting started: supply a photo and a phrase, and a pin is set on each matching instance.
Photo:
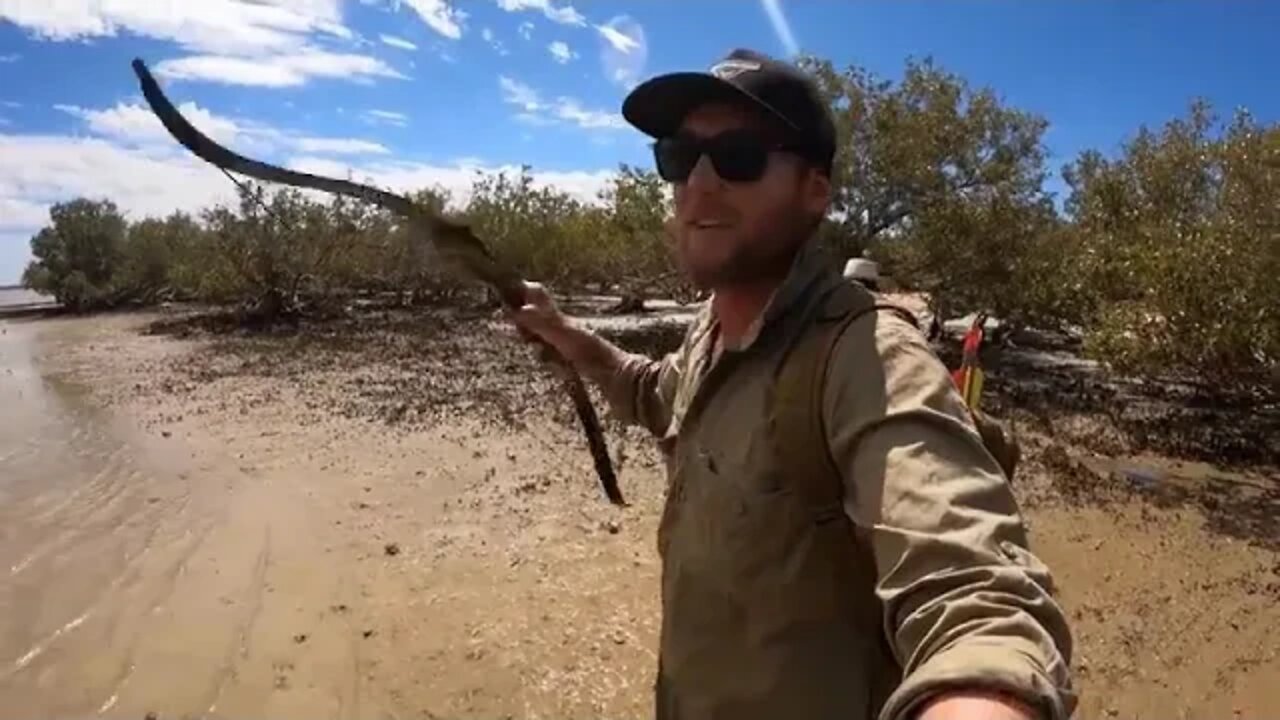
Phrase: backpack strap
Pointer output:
(799, 434)
(799, 439)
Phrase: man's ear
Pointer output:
(817, 192)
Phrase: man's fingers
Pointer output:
(545, 352)
(536, 321)
(536, 296)
(532, 292)
(527, 323)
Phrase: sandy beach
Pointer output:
(395, 516)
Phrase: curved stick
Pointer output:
(453, 240)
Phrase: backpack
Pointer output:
(795, 412)
(799, 443)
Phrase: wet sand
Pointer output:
(395, 517)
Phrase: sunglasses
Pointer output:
(736, 155)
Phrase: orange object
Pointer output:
(969, 376)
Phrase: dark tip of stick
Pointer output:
(140, 69)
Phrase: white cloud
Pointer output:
(18, 214)
(623, 50)
(781, 28)
(43, 169)
(137, 124)
(561, 52)
(493, 41)
(570, 110)
(229, 71)
(439, 15)
(385, 117)
(286, 70)
(265, 43)
(40, 170)
(15, 57)
(14, 254)
(339, 146)
(515, 92)
(210, 26)
(621, 43)
(11, 104)
(536, 111)
(526, 30)
(457, 178)
(565, 15)
(396, 42)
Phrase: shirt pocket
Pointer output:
(753, 510)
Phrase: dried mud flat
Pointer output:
(414, 529)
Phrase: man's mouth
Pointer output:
(708, 224)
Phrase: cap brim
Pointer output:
(658, 106)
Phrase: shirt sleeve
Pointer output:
(966, 604)
(642, 391)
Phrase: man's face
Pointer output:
(742, 232)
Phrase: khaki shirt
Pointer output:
(771, 612)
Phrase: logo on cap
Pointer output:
(730, 69)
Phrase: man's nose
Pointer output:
(703, 178)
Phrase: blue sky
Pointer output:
(414, 92)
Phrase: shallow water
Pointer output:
(77, 512)
(144, 569)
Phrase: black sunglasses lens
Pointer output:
(736, 156)
(676, 157)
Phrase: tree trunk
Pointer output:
(628, 305)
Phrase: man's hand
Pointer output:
(539, 318)
(977, 705)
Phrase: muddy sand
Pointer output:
(395, 516)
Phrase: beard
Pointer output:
(738, 256)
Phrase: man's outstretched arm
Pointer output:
(968, 609)
(639, 389)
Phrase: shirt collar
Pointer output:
(807, 268)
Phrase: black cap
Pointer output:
(658, 106)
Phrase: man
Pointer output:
(916, 598)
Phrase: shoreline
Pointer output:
(32, 310)
(398, 517)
